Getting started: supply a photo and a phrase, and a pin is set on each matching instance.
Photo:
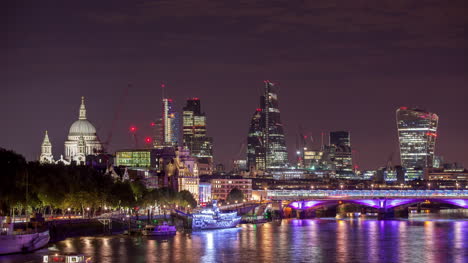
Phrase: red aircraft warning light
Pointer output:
(153, 124)
(148, 139)
(133, 129)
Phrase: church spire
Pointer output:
(82, 110)
(46, 150)
(46, 139)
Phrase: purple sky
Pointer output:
(341, 65)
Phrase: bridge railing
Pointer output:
(273, 194)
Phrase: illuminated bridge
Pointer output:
(383, 200)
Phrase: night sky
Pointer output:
(341, 65)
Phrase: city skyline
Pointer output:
(334, 74)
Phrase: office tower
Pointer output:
(340, 138)
(158, 133)
(275, 143)
(194, 130)
(170, 128)
(255, 146)
(340, 151)
(266, 137)
(417, 133)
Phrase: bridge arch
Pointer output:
(375, 203)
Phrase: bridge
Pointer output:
(382, 200)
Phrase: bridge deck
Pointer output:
(359, 194)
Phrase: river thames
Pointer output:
(422, 239)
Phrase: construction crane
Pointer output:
(117, 112)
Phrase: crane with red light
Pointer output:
(117, 112)
(133, 130)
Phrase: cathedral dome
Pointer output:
(82, 127)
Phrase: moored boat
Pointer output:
(12, 241)
(160, 230)
(212, 218)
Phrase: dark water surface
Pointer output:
(314, 240)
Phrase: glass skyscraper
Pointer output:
(255, 145)
(194, 130)
(266, 136)
(417, 133)
(170, 127)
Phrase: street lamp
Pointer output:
(312, 187)
(429, 186)
(372, 187)
(457, 184)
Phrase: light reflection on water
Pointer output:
(319, 240)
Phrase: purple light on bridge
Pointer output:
(296, 205)
(309, 204)
(369, 202)
(304, 204)
(397, 202)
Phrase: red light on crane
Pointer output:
(148, 139)
(153, 124)
(133, 129)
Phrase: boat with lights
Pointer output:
(213, 218)
(161, 230)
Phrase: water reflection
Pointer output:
(318, 240)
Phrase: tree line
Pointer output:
(55, 188)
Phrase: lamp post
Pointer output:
(372, 187)
(429, 186)
(458, 185)
(87, 210)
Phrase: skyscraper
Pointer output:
(340, 151)
(340, 138)
(255, 146)
(158, 133)
(169, 119)
(417, 133)
(194, 130)
(266, 137)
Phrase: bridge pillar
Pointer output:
(385, 213)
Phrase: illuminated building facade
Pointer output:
(169, 120)
(134, 158)
(204, 193)
(313, 159)
(275, 143)
(194, 132)
(255, 147)
(158, 133)
(221, 187)
(417, 133)
(340, 151)
(266, 140)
